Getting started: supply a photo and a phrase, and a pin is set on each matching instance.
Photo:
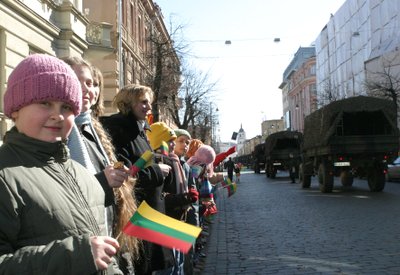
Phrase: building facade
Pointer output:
(241, 139)
(356, 41)
(299, 93)
(31, 26)
(114, 35)
(271, 126)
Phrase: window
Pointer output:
(140, 31)
(313, 89)
(133, 19)
(312, 69)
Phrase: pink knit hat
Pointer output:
(204, 155)
(42, 77)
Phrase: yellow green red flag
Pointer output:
(153, 226)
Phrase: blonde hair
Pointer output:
(125, 195)
(193, 146)
(131, 95)
(76, 60)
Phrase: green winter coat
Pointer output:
(49, 207)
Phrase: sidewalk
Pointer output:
(216, 241)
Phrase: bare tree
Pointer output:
(328, 94)
(165, 56)
(385, 83)
(190, 106)
(179, 92)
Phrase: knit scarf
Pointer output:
(180, 179)
(77, 146)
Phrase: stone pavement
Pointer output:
(216, 253)
(275, 227)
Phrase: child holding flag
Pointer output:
(178, 198)
(51, 207)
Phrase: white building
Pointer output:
(241, 139)
(359, 39)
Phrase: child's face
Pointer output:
(182, 145)
(89, 93)
(48, 121)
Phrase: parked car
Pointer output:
(393, 171)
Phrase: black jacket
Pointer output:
(130, 143)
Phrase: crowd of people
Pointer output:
(66, 190)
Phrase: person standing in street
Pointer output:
(230, 166)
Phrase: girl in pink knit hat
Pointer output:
(52, 208)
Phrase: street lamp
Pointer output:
(212, 125)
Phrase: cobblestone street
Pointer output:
(275, 227)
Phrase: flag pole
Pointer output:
(119, 235)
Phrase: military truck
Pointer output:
(351, 137)
(258, 158)
(282, 152)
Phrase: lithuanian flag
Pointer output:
(164, 149)
(231, 189)
(226, 182)
(153, 226)
(231, 186)
(142, 162)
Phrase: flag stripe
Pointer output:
(164, 148)
(157, 237)
(141, 221)
(158, 218)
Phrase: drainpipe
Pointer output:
(121, 74)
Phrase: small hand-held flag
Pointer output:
(142, 162)
(230, 186)
(221, 156)
(153, 226)
(232, 189)
(226, 182)
(164, 148)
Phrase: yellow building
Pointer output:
(94, 29)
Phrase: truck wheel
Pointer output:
(346, 178)
(376, 179)
(325, 174)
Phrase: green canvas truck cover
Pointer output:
(282, 140)
(360, 115)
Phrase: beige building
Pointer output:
(94, 29)
(271, 126)
(299, 92)
(33, 26)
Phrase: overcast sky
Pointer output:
(249, 71)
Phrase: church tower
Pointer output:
(241, 138)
